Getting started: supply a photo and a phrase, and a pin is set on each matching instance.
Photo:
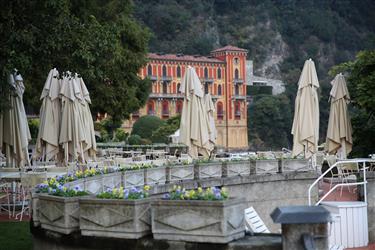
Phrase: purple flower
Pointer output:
(77, 188)
(166, 196)
(126, 193)
(218, 196)
(109, 190)
(53, 190)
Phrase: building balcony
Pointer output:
(239, 97)
(208, 80)
(153, 78)
(166, 96)
(166, 78)
(238, 81)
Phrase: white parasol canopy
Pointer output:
(210, 109)
(339, 131)
(47, 144)
(194, 126)
(14, 128)
(305, 128)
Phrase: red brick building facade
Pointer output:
(223, 75)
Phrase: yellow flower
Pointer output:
(114, 191)
(182, 197)
(64, 189)
(146, 188)
(200, 190)
(178, 187)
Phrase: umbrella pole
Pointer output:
(343, 149)
(83, 158)
(66, 154)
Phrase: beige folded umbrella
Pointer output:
(47, 143)
(210, 109)
(72, 135)
(15, 129)
(194, 126)
(88, 123)
(339, 131)
(305, 128)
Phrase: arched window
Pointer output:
(179, 107)
(150, 108)
(220, 111)
(218, 73)
(206, 88)
(237, 110)
(236, 89)
(219, 90)
(149, 70)
(205, 73)
(178, 71)
(178, 88)
(165, 108)
(164, 70)
(165, 87)
(236, 74)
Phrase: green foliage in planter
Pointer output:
(208, 194)
(135, 167)
(66, 192)
(134, 193)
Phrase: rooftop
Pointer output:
(229, 48)
(181, 57)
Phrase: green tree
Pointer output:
(99, 40)
(269, 122)
(145, 126)
(361, 79)
(161, 134)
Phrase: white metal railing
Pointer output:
(357, 161)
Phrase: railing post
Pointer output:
(365, 181)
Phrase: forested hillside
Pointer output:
(279, 35)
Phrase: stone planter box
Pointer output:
(236, 168)
(266, 166)
(157, 175)
(129, 219)
(198, 221)
(180, 173)
(59, 214)
(134, 178)
(208, 170)
(295, 165)
(112, 180)
(35, 208)
(94, 184)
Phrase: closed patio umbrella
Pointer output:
(47, 143)
(89, 149)
(72, 135)
(305, 128)
(339, 131)
(15, 129)
(194, 126)
(210, 109)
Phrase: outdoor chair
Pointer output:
(253, 222)
(5, 197)
(346, 173)
(23, 191)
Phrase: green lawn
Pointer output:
(15, 236)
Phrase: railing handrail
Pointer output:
(357, 160)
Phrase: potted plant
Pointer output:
(59, 208)
(236, 167)
(295, 165)
(180, 172)
(116, 213)
(207, 169)
(265, 165)
(198, 215)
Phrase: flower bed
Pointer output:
(198, 216)
(207, 169)
(116, 213)
(60, 211)
(236, 168)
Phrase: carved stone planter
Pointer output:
(266, 166)
(236, 168)
(134, 178)
(112, 180)
(208, 170)
(35, 208)
(94, 184)
(198, 221)
(130, 219)
(59, 214)
(295, 165)
(180, 173)
(157, 175)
